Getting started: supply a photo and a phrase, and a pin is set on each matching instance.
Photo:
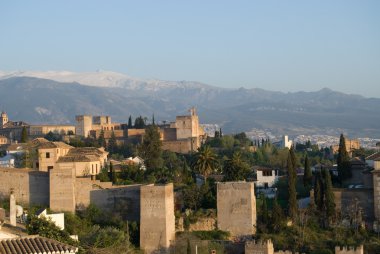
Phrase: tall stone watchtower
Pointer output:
(3, 119)
(157, 220)
(187, 126)
(83, 125)
(236, 203)
(376, 193)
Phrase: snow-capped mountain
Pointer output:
(101, 78)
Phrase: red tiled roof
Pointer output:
(373, 156)
(34, 244)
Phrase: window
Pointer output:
(50, 167)
(92, 168)
(47, 155)
(267, 173)
(96, 170)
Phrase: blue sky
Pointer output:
(276, 45)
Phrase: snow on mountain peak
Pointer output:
(102, 78)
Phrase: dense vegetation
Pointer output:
(313, 229)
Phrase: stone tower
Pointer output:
(376, 193)
(3, 118)
(236, 205)
(83, 125)
(157, 220)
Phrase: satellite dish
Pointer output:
(19, 210)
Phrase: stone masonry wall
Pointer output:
(122, 200)
(30, 187)
(236, 205)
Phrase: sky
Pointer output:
(276, 45)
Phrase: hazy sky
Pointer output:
(276, 45)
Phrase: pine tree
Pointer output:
(329, 196)
(307, 175)
(292, 181)
(101, 140)
(24, 135)
(130, 122)
(139, 123)
(343, 160)
(151, 148)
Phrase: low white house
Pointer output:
(57, 218)
(265, 177)
(135, 161)
(373, 160)
(8, 161)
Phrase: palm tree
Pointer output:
(205, 161)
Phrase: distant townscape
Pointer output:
(183, 187)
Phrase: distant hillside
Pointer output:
(39, 100)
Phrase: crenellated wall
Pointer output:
(349, 250)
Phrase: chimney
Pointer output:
(12, 209)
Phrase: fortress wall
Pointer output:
(123, 200)
(30, 187)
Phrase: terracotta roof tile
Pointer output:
(34, 244)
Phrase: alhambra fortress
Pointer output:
(62, 178)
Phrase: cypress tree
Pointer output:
(130, 122)
(101, 140)
(343, 160)
(292, 180)
(329, 196)
(264, 211)
(318, 191)
(112, 173)
(24, 135)
(307, 175)
(188, 249)
(293, 157)
(153, 120)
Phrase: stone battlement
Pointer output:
(261, 247)
(349, 250)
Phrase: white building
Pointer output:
(286, 142)
(57, 218)
(266, 177)
(8, 161)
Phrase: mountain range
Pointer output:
(56, 97)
